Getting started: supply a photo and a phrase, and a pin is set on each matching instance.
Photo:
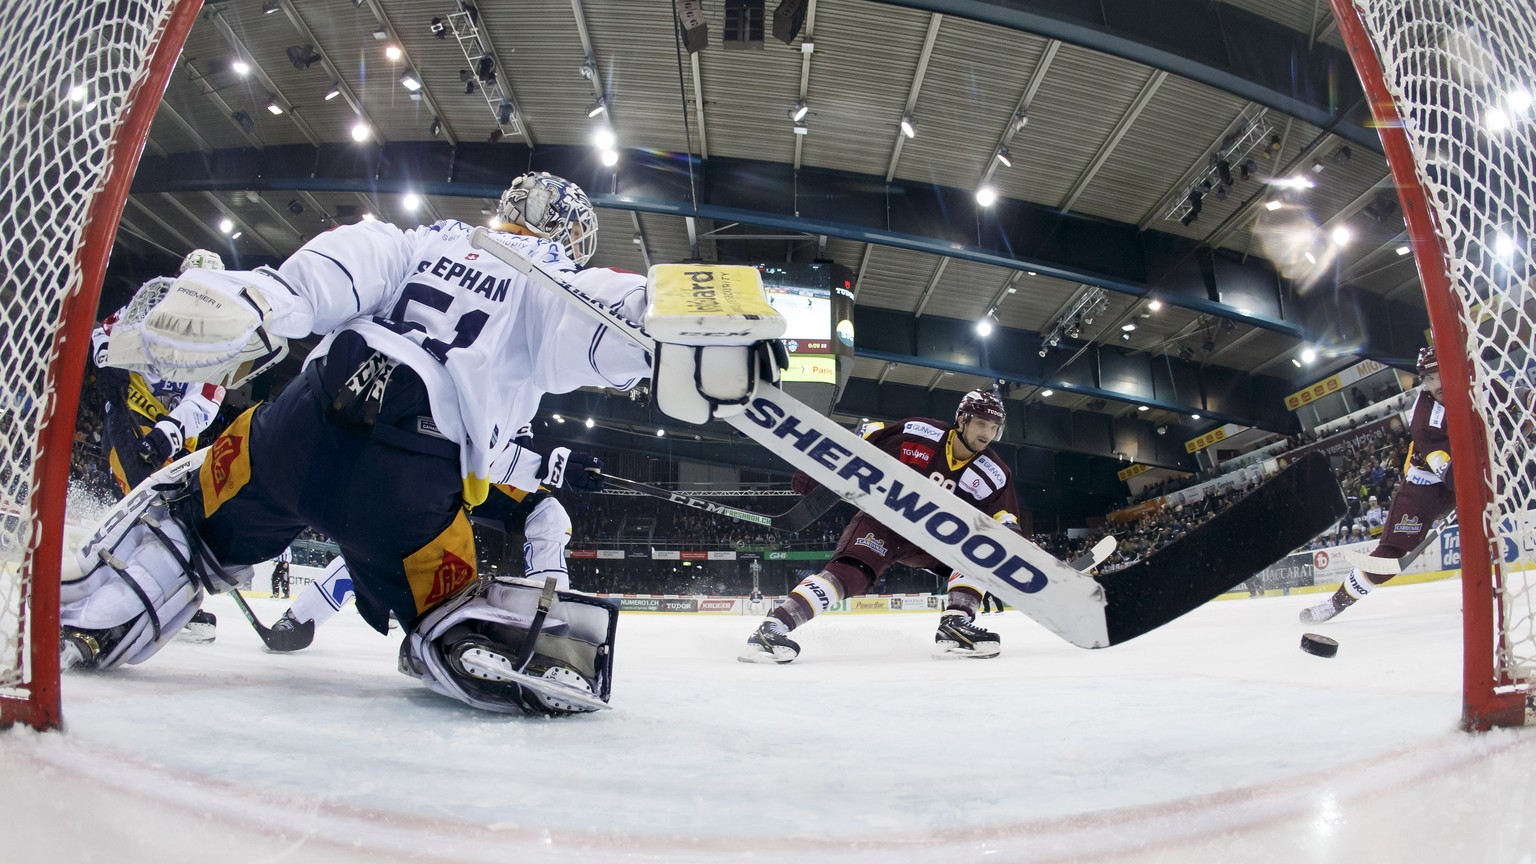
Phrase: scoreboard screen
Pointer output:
(818, 314)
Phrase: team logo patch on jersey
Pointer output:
(971, 482)
(1408, 525)
(1437, 416)
(916, 454)
(923, 430)
(225, 451)
(870, 541)
(993, 471)
(452, 574)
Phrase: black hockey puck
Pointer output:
(1322, 646)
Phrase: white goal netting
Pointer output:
(68, 70)
(1463, 77)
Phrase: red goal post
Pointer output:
(80, 81)
(1450, 85)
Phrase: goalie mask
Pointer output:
(201, 259)
(552, 208)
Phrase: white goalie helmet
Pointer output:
(553, 208)
(201, 259)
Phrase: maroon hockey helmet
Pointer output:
(979, 403)
(1428, 362)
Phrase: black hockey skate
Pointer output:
(80, 649)
(769, 644)
(958, 636)
(200, 629)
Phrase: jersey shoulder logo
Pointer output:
(870, 541)
(994, 471)
(1437, 416)
(923, 430)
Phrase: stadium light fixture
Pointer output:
(333, 92)
(984, 328)
(597, 107)
(393, 52)
(273, 106)
(798, 112)
(361, 132)
(603, 139)
(986, 196)
(411, 201)
(908, 126)
(410, 81)
(609, 158)
(226, 226)
(1002, 156)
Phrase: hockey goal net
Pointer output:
(1451, 85)
(80, 81)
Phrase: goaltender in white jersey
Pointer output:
(434, 355)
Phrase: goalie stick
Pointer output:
(789, 520)
(1087, 612)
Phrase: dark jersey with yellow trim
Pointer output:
(926, 446)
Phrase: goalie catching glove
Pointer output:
(205, 326)
(716, 336)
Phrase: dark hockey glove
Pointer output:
(160, 443)
(580, 472)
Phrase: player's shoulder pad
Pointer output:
(924, 427)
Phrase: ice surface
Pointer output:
(1213, 739)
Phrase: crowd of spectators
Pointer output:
(1368, 470)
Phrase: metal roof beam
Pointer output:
(1127, 120)
(426, 94)
(149, 213)
(308, 35)
(917, 85)
(261, 75)
(805, 68)
(1020, 113)
(1217, 44)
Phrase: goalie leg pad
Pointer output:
(454, 647)
(144, 572)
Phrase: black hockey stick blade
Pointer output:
(690, 501)
(280, 641)
(812, 507)
(1272, 521)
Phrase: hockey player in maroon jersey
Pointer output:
(1423, 496)
(956, 456)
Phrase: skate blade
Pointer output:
(954, 651)
(489, 666)
(197, 634)
(779, 656)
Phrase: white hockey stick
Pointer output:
(1065, 601)
(1096, 555)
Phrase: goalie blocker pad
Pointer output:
(716, 338)
(1275, 519)
(577, 634)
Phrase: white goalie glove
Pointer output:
(206, 326)
(716, 339)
